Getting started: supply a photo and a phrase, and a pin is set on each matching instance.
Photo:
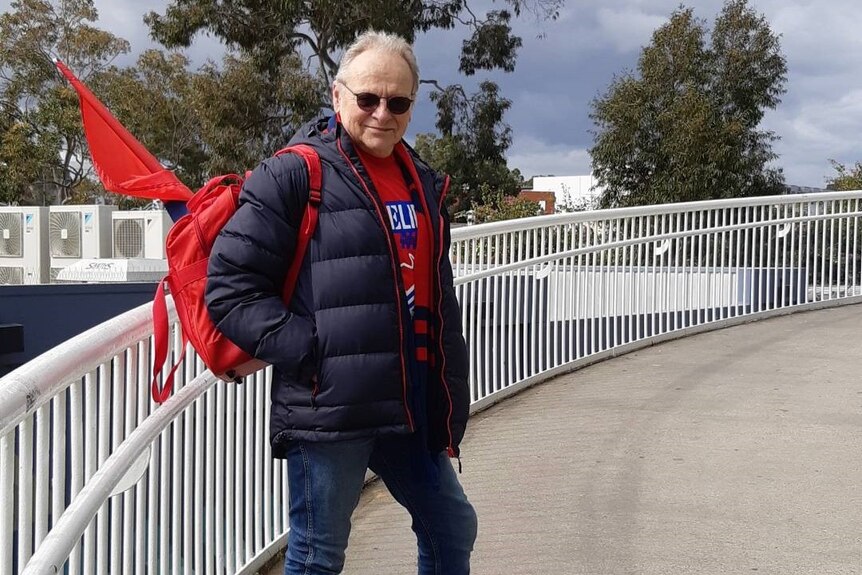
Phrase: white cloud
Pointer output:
(627, 29)
(535, 157)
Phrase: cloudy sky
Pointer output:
(565, 63)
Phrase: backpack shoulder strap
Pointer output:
(309, 219)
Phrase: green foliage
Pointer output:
(567, 204)
(219, 119)
(495, 206)
(42, 149)
(686, 127)
(846, 179)
(472, 146)
(269, 30)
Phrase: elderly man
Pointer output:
(369, 357)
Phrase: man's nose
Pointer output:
(382, 110)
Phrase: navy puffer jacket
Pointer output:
(340, 349)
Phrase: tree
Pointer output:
(472, 146)
(687, 126)
(473, 137)
(42, 147)
(496, 206)
(216, 120)
(268, 30)
(846, 179)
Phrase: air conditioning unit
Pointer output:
(140, 234)
(78, 232)
(23, 245)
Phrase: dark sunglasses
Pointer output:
(368, 102)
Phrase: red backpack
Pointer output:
(188, 247)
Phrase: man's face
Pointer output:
(387, 75)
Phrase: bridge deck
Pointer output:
(736, 451)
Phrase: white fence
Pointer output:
(538, 296)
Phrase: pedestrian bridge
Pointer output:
(730, 450)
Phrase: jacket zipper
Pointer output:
(450, 450)
(314, 391)
(395, 272)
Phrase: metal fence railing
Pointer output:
(95, 479)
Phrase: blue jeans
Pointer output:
(325, 481)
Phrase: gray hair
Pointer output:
(373, 40)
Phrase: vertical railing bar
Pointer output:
(796, 277)
(637, 273)
(7, 498)
(262, 466)
(542, 310)
(855, 279)
(824, 295)
(715, 303)
(741, 248)
(613, 294)
(628, 286)
(703, 268)
(130, 496)
(531, 278)
(90, 463)
(593, 295)
(165, 523)
(118, 419)
(497, 318)
(104, 416)
(144, 509)
(664, 266)
(847, 254)
(832, 248)
(210, 482)
(76, 457)
(42, 471)
(200, 443)
(177, 500)
(230, 480)
(600, 295)
(58, 459)
(726, 241)
(509, 328)
(192, 515)
(241, 488)
(675, 225)
(748, 261)
(25, 490)
(520, 298)
(269, 494)
(766, 219)
(249, 463)
(221, 471)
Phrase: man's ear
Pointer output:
(336, 97)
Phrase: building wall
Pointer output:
(52, 313)
(544, 199)
(576, 187)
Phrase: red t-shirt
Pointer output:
(408, 220)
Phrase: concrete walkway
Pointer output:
(736, 451)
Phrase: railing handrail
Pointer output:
(469, 232)
(599, 247)
(29, 386)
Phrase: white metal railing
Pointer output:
(538, 296)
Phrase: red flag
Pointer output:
(123, 164)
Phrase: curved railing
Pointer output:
(196, 488)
